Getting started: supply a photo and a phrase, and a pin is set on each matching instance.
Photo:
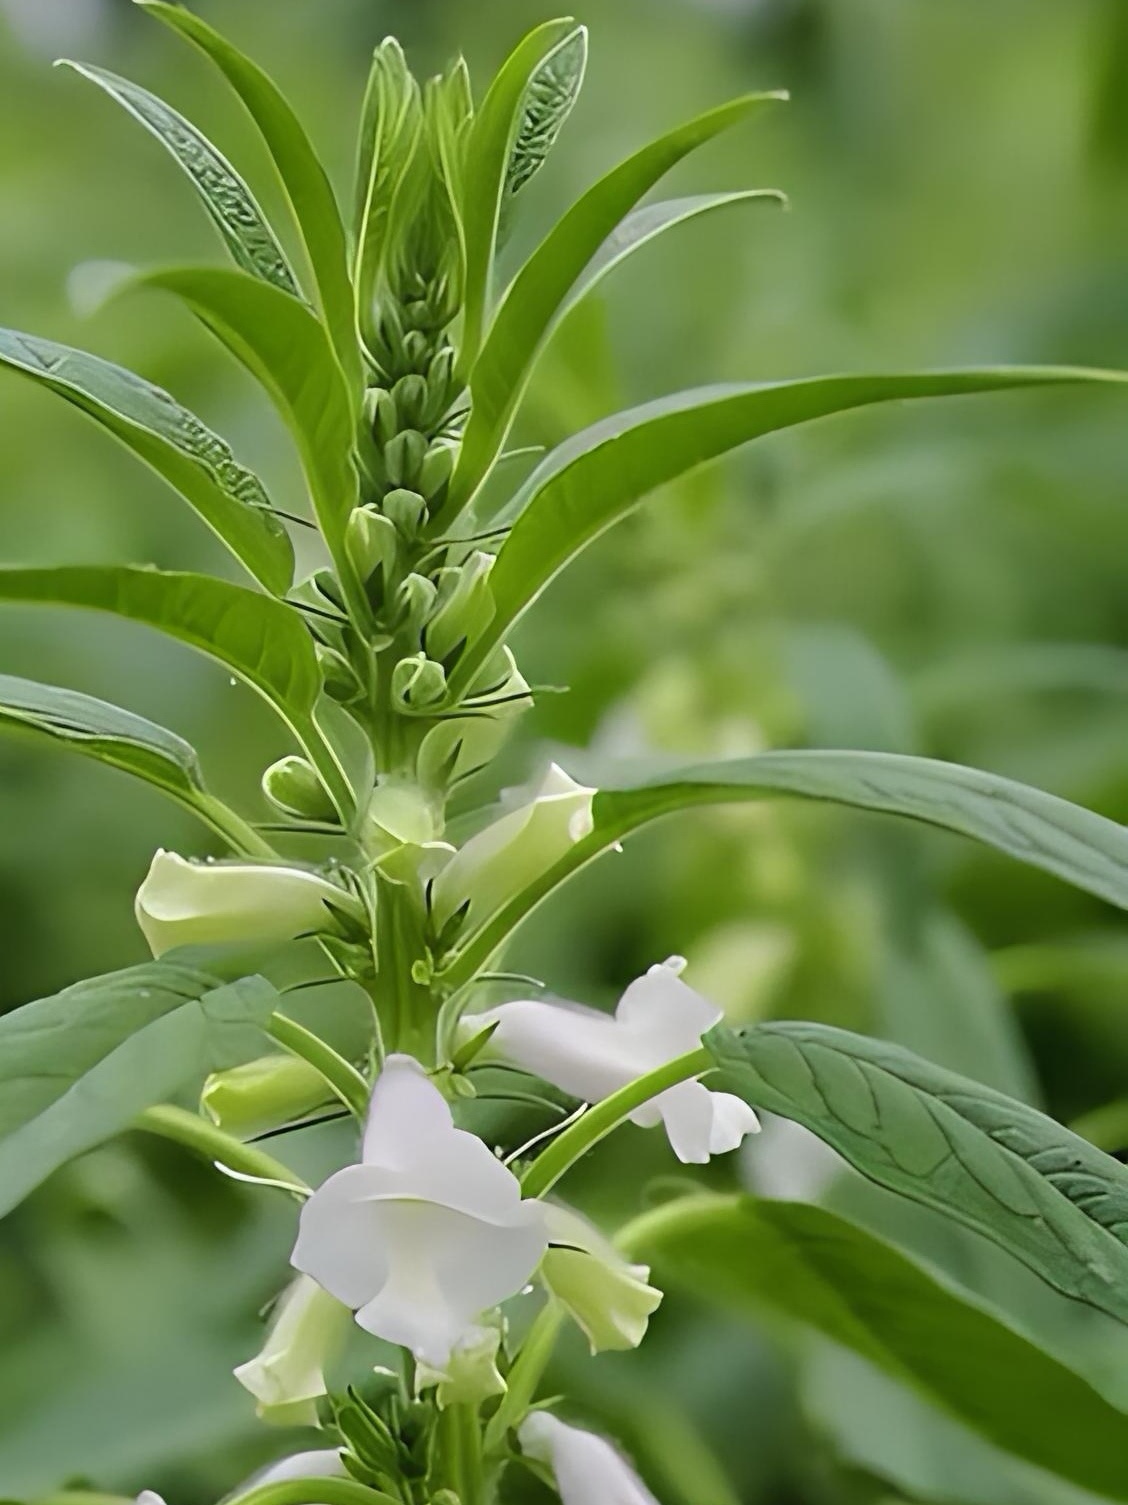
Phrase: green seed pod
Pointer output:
(407, 510)
(404, 457)
(371, 542)
(418, 682)
(292, 786)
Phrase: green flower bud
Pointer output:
(341, 682)
(419, 682)
(262, 1095)
(437, 469)
(371, 542)
(292, 785)
(382, 414)
(288, 1376)
(407, 511)
(456, 747)
(404, 456)
(610, 1299)
(464, 607)
(417, 349)
(410, 394)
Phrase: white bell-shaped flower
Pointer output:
(184, 903)
(428, 1232)
(317, 1463)
(590, 1055)
(287, 1377)
(587, 1469)
(514, 850)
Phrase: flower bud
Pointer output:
(293, 786)
(515, 850)
(404, 456)
(458, 746)
(261, 1095)
(407, 511)
(437, 469)
(410, 394)
(418, 682)
(185, 903)
(287, 1377)
(341, 682)
(382, 414)
(470, 1375)
(608, 1298)
(464, 607)
(371, 542)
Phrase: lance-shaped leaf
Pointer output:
(285, 346)
(1075, 844)
(975, 1155)
(170, 439)
(79, 1067)
(265, 642)
(815, 1268)
(597, 477)
(553, 279)
(118, 738)
(489, 151)
(299, 169)
(225, 195)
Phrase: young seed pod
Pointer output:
(418, 682)
(404, 457)
(407, 510)
(292, 786)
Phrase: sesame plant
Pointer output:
(429, 1278)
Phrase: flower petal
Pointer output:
(588, 1470)
(578, 1050)
(664, 1015)
(339, 1236)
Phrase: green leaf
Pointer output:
(980, 1158)
(1075, 844)
(225, 195)
(597, 477)
(284, 345)
(489, 150)
(79, 1067)
(299, 169)
(817, 1269)
(539, 295)
(170, 439)
(265, 642)
(549, 99)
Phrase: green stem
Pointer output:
(342, 1076)
(195, 1133)
(323, 1491)
(239, 835)
(559, 1157)
(524, 1378)
(462, 1454)
(647, 1230)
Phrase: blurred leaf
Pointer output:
(263, 641)
(827, 1273)
(594, 479)
(302, 176)
(225, 195)
(985, 1160)
(549, 99)
(79, 1067)
(285, 347)
(178, 446)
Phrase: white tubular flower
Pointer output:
(587, 1468)
(185, 903)
(590, 1055)
(287, 1378)
(149, 1497)
(428, 1232)
(509, 854)
(610, 1299)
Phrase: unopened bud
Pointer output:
(293, 786)
(415, 600)
(404, 456)
(262, 1095)
(436, 470)
(341, 682)
(371, 542)
(410, 394)
(418, 682)
(382, 414)
(416, 350)
(464, 608)
(407, 511)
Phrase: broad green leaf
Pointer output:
(299, 169)
(554, 280)
(549, 99)
(173, 441)
(978, 1157)
(225, 195)
(489, 149)
(1075, 844)
(597, 477)
(265, 642)
(820, 1270)
(79, 1067)
(283, 344)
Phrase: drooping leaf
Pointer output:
(283, 344)
(488, 154)
(79, 1067)
(594, 479)
(173, 441)
(591, 236)
(1075, 844)
(265, 642)
(979, 1157)
(817, 1269)
(299, 168)
(225, 195)
(549, 99)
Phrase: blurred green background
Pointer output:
(947, 580)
